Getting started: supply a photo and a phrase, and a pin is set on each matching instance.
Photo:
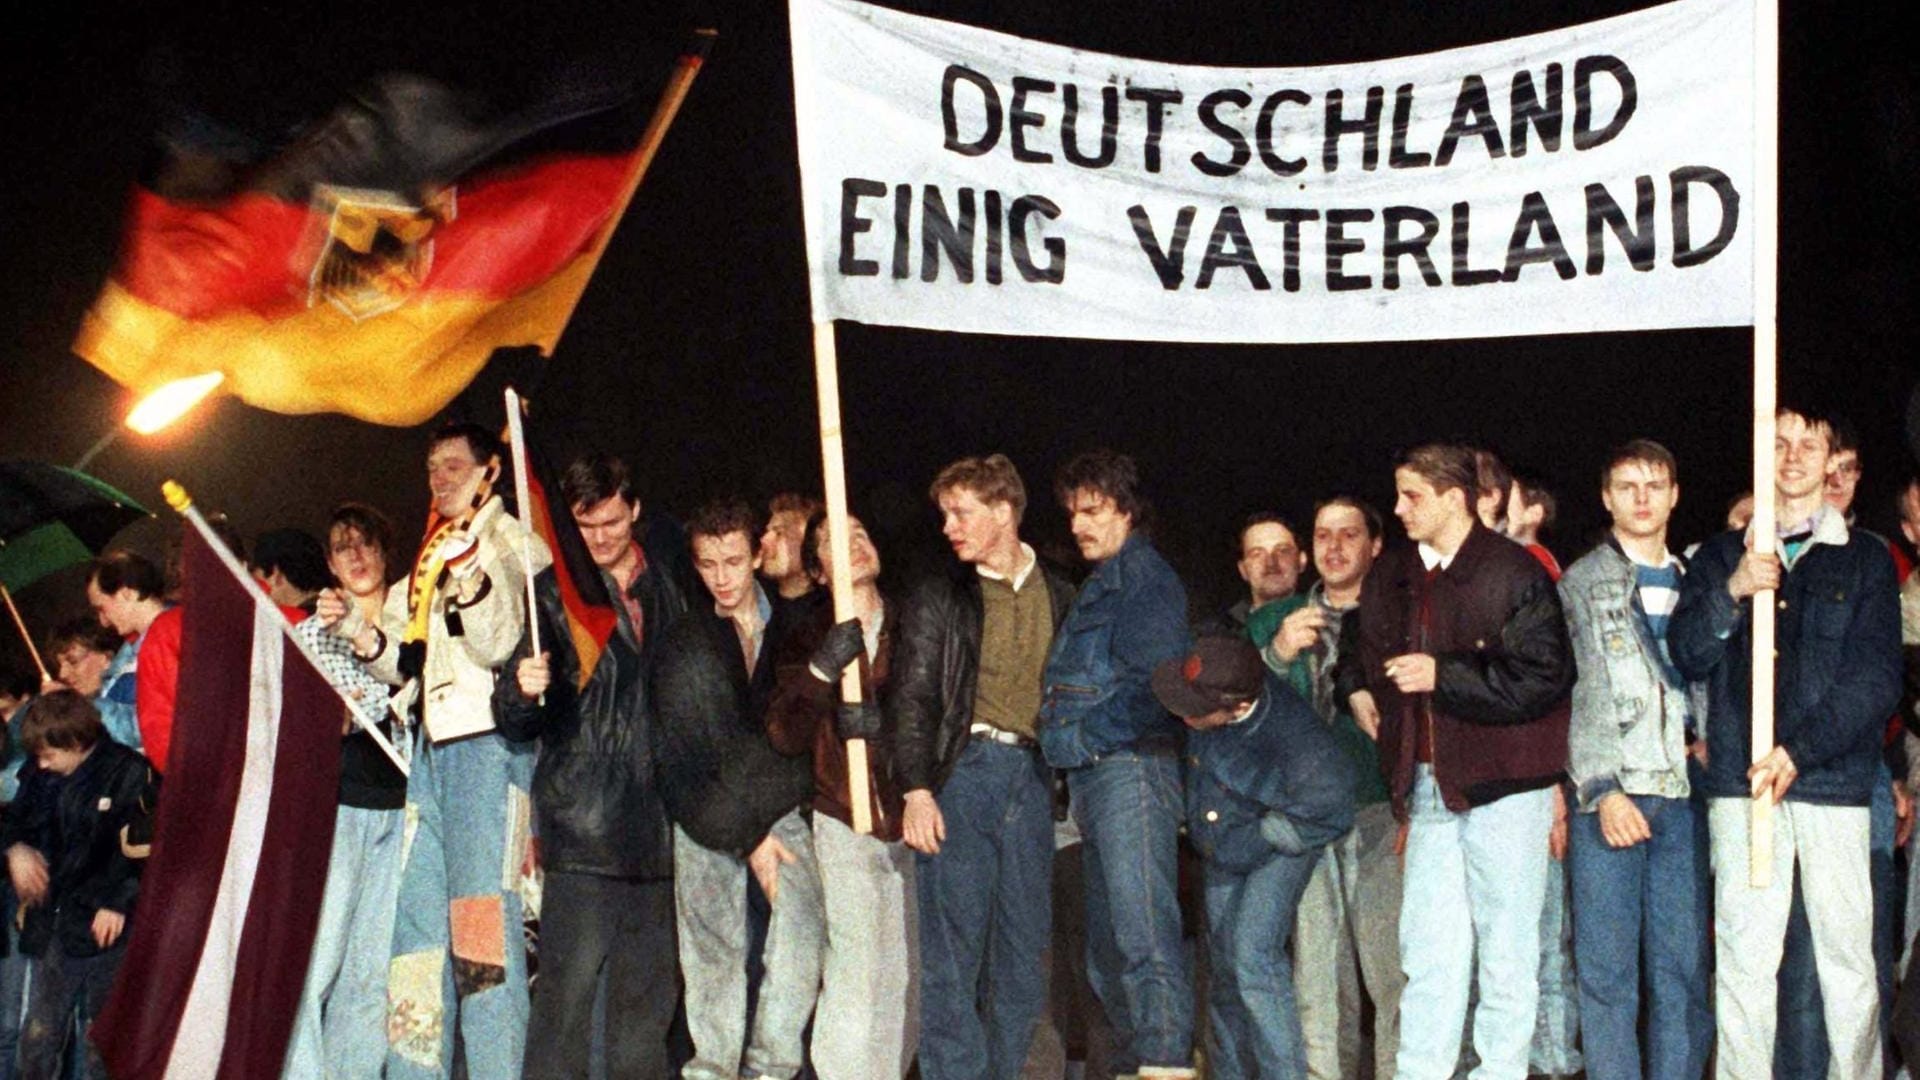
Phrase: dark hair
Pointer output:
(61, 720)
(722, 516)
(1645, 451)
(1490, 473)
(1900, 498)
(118, 570)
(1817, 419)
(594, 478)
(1534, 492)
(1841, 434)
(83, 630)
(792, 502)
(810, 560)
(297, 554)
(1104, 472)
(1445, 466)
(1264, 517)
(1376, 525)
(992, 479)
(369, 523)
(484, 444)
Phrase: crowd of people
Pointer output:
(1445, 811)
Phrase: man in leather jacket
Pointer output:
(1464, 652)
(604, 836)
(964, 698)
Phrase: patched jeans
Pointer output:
(1478, 876)
(710, 904)
(1250, 916)
(340, 1032)
(1129, 807)
(1646, 900)
(459, 950)
(986, 915)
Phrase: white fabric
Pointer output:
(1827, 847)
(1081, 238)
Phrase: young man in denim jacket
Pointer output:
(1638, 841)
(1100, 722)
(1268, 787)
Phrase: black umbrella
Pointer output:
(51, 518)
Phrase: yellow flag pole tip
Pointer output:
(176, 495)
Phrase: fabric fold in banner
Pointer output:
(231, 898)
(1579, 180)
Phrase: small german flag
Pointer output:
(371, 267)
(591, 618)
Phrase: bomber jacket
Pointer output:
(1837, 673)
(800, 721)
(936, 668)
(1130, 615)
(1502, 670)
(721, 778)
(1274, 782)
(595, 796)
(1630, 710)
(75, 822)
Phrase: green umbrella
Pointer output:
(50, 519)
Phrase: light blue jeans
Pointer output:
(1129, 808)
(340, 1032)
(459, 951)
(1478, 876)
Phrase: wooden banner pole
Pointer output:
(833, 470)
(1766, 244)
(523, 500)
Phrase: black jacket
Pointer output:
(722, 780)
(75, 822)
(936, 665)
(594, 790)
(1503, 668)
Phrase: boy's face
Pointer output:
(61, 762)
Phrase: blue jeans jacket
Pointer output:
(1130, 615)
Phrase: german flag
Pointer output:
(591, 619)
(371, 267)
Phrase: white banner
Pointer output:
(1588, 179)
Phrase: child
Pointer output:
(62, 839)
(1267, 788)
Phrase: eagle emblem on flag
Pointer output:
(375, 248)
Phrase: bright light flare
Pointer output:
(172, 401)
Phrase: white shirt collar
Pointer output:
(1430, 556)
(1028, 561)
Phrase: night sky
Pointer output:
(690, 355)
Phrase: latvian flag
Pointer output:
(231, 897)
(371, 267)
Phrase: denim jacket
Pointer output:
(1275, 782)
(1837, 677)
(1629, 729)
(1130, 615)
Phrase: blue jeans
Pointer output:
(1254, 1018)
(986, 915)
(1129, 808)
(1478, 876)
(13, 988)
(341, 1028)
(1650, 897)
(459, 952)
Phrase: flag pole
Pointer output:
(692, 56)
(833, 470)
(7, 595)
(178, 498)
(517, 436)
(1766, 244)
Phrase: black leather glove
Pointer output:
(860, 720)
(842, 645)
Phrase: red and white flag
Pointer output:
(231, 897)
